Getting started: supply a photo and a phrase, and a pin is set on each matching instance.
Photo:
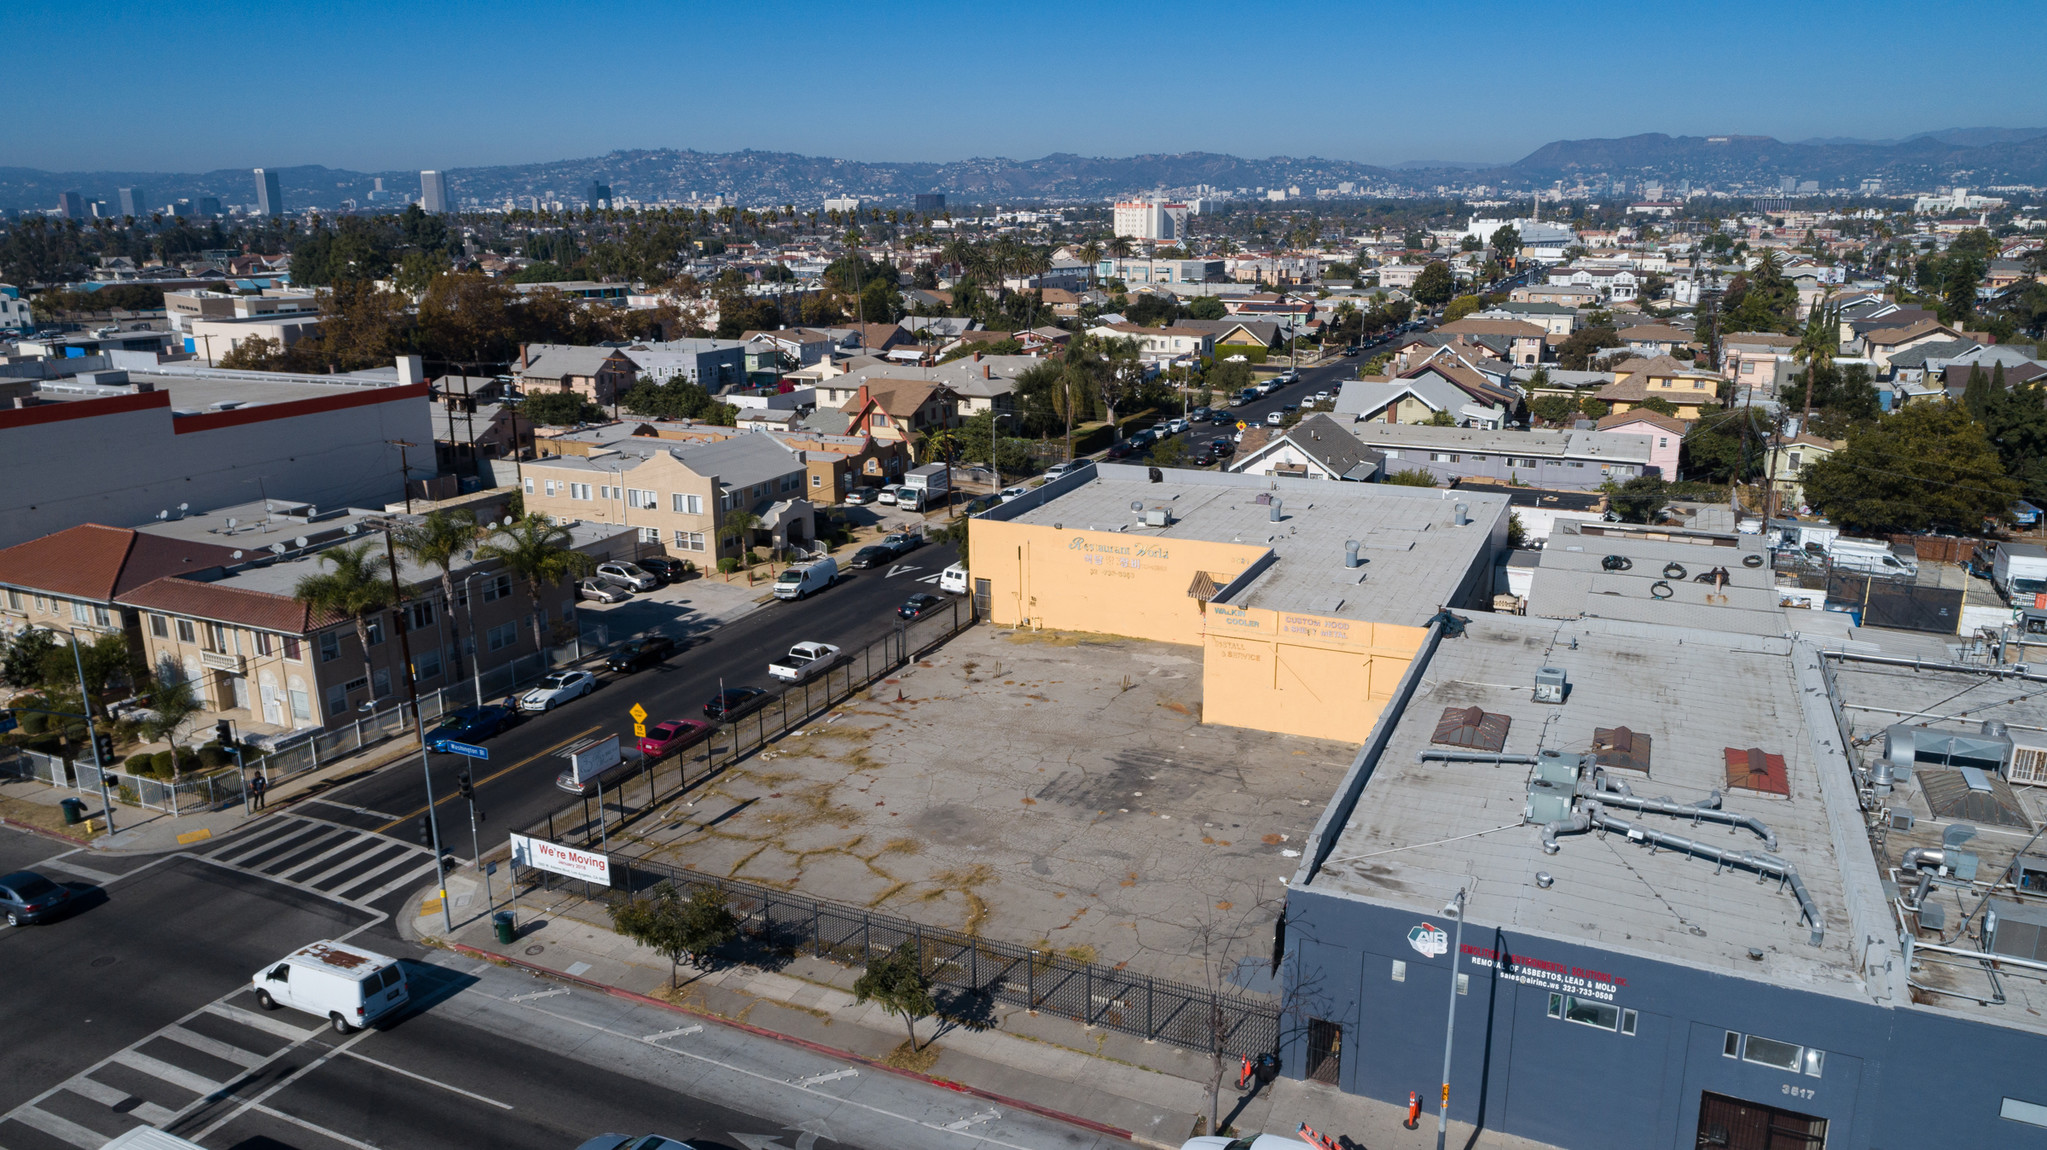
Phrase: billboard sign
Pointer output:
(541, 854)
(586, 763)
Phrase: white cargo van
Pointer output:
(348, 986)
(799, 581)
(1873, 556)
(953, 580)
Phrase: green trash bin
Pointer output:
(502, 920)
(74, 812)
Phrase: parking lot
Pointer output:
(1040, 788)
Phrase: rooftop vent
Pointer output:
(1350, 554)
(1987, 799)
(1550, 686)
(1755, 770)
(1620, 747)
(1473, 728)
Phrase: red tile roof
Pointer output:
(96, 562)
(224, 603)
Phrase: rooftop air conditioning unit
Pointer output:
(1158, 517)
(1549, 685)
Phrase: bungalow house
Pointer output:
(1571, 295)
(901, 409)
(1758, 359)
(1653, 339)
(1422, 393)
(1161, 344)
(601, 375)
(1521, 342)
(1554, 318)
(1881, 344)
(1253, 339)
(1318, 447)
(1665, 433)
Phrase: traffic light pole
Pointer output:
(419, 728)
(475, 839)
(224, 734)
(99, 756)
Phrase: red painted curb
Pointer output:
(36, 830)
(815, 1047)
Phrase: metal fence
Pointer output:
(179, 797)
(1180, 1014)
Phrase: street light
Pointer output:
(1455, 909)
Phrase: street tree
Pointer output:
(898, 984)
(1925, 466)
(676, 928)
(355, 586)
(539, 552)
(439, 541)
(172, 703)
(1506, 241)
(1433, 286)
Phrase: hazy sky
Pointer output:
(385, 86)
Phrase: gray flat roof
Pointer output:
(1587, 445)
(1422, 830)
(1415, 556)
(1659, 582)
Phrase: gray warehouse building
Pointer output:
(1713, 893)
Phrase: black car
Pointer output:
(871, 555)
(1351, 350)
(1203, 458)
(27, 897)
(918, 606)
(733, 701)
(1222, 445)
(1222, 419)
(640, 653)
(663, 568)
(982, 503)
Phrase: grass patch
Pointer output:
(905, 1057)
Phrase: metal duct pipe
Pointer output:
(1981, 955)
(1694, 812)
(1924, 859)
(1350, 554)
(1460, 513)
(1470, 757)
(1577, 824)
(2015, 671)
(1763, 864)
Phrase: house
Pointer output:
(1160, 271)
(1757, 359)
(1569, 295)
(1880, 344)
(601, 375)
(1251, 338)
(1653, 339)
(1571, 460)
(1608, 283)
(1522, 342)
(1400, 275)
(1424, 392)
(1554, 318)
(1665, 433)
(1157, 344)
(900, 408)
(835, 463)
(1786, 463)
(1318, 447)
(1690, 392)
(466, 431)
(979, 382)
(713, 364)
(677, 497)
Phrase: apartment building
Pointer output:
(599, 374)
(1161, 343)
(1690, 391)
(675, 497)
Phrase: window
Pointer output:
(78, 614)
(428, 665)
(216, 637)
(159, 626)
(291, 647)
(792, 482)
(650, 535)
(330, 646)
(689, 541)
(553, 486)
(501, 636)
(1399, 970)
(376, 631)
(1770, 1052)
(422, 614)
(1441, 457)
(1602, 1015)
(579, 491)
(42, 605)
(817, 481)
(301, 705)
(186, 634)
(529, 485)
(14, 599)
(383, 680)
(337, 700)
(1663, 441)
(498, 588)
(688, 504)
(641, 499)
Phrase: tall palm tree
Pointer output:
(358, 586)
(1119, 246)
(539, 552)
(438, 541)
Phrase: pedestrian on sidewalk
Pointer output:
(258, 787)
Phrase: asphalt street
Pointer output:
(136, 1010)
(516, 785)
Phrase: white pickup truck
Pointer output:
(803, 661)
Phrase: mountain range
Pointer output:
(1971, 156)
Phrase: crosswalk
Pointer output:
(344, 863)
(157, 1080)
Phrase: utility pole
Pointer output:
(405, 472)
(92, 734)
(1450, 1024)
(419, 728)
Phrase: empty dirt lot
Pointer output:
(1038, 788)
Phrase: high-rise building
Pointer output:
(131, 201)
(433, 192)
(269, 197)
(1151, 220)
(929, 202)
(71, 205)
(209, 205)
(600, 194)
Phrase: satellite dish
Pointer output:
(348, 530)
(508, 521)
(163, 515)
(232, 523)
(277, 548)
(235, 555)
(184, 507)
(299, 542)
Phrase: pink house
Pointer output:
(1665, 432)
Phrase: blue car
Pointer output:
(469, 725)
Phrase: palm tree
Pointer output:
(539, 552)
(1119, 246)
(1090, 253)
(437, 541)
(358, 586)
(738, 526)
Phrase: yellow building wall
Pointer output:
(1301, 674)
(1281, 671)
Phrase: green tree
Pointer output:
(1553, 408)
(1207, 307)
(1460, 307)
(1412, 477)
(560, 409)
(1575, 353)
(678, 929)
(1659, 405)
(1927, 465)
(1639, 499)
(1170, 452)
(172, 704)
(1441, 419)
(897, 982)
(1507, 242)
(23, 658)
(538, 552)
(2015, 419)
(1433, 286)
(356, 586)
(440, 541)
(737, 529)
(1230, 378)
(1725, 446)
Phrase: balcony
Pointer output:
(221, 661)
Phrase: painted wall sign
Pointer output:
(1430, 939)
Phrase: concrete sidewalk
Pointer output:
(1153, 1093)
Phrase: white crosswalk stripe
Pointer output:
(218, 1045)
(346, 863)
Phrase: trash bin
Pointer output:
(74, 812)
(502, 920)
(1265, 1068)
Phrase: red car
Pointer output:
(672, 735)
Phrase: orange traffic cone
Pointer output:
(1414, 1109)
(1244, 1075)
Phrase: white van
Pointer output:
(347, 985)
(1874, 556)
(953, 580)
(801, 580)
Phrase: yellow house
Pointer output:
(1636, 381)
(1300, 634)
(1788, 459)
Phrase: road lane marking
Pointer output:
(976, 1120)
(322, 1131)
(349, 808)
(834, 1076)
(498, 774)
(394, 884)
(429, 1081)
(246, 1059)
(63, 862)
(111, 1097)
(175, 1075)
(282, 1082)
(57, 1127)
(537, 994)
(682, 1033)
(275, 1027)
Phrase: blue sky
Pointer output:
(376, 86)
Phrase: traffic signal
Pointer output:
(463, 784)
(224, 732)
(103, 749)
(426, 833)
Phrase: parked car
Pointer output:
(733, 701)
(919, 605)
(1324, 396)
(1200, 414)
(347, 985)
(1289, 408)
(862, 496)
(601, 591)
(800, 581)
(1223, 446)
(1123, 450)
(886, 495)
(672, 735)
(628, 575)
(1352, 350)
(1202, 457)
(27, 897)
(557, 688)
(1058, 469)
(982, 503)
(1009, 493)
(1222, 418)
(634, 1142)
(1176, 425)
(639, 654)
(663, 568)
(872, 555)
(1274, 418)
(1290, 375)
(469, 725)
(953, 580)
(803, 661)
(905, 541)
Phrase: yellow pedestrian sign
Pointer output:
(640, 730)
(639, 714)
(1242, 426)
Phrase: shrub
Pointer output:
(213, 756)
(188, 760)
(142, 764)
(34, 722)
(162, 764)
(727, 565)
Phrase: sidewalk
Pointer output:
(1151, 1092)
(33, 806)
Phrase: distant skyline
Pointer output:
(378, 86)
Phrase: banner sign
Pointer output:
(541, 854)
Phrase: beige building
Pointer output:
(676, 496)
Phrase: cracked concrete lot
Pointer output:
(1049, 789)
